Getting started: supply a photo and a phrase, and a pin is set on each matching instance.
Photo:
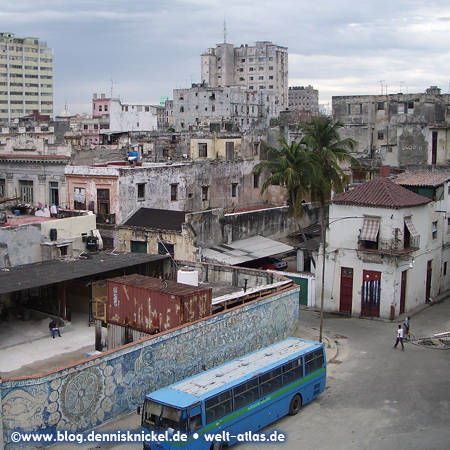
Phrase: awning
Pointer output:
(370, 229)
(410, 226)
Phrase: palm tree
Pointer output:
(327, 152)
(289, 167)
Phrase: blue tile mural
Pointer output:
(103, 388)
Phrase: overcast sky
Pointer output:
(150, 47)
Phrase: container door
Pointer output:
(370, 295)
(346, 292)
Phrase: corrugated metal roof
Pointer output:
(245, 250)
(160, 219)
(425, 178)
(49, 272)
(380, 193)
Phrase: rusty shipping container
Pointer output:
(152, 305)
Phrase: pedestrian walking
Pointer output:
(399, 337)
(406, 327)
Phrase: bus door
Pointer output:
(195, 418)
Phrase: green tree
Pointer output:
(290, 167)
(327, 152)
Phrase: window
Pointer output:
(138, 247)
(255, 181)
(99, 107)
(380, 106)
(205, 193)
(218, 406)
(79, 198)
(2, 188)
(173, 192)
(445, 268)
(234, 188)
(103, 204)
(411, 236)
(380, 135)
(292, 371)
(26, 191)
(165, 248)
(54, 193)
(202, 150)
(270, 381)
(434, 230)
(369, 233)
(256, 146)
(270, 67)
(246, 393)
(141, 191)
(229, 150)
(313, 361)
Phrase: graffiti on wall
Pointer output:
(103, 388)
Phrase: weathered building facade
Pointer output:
(387, 250)
(233, 105)
(263, 66)
(397, 129)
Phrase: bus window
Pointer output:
(218, 406)
(292, 371)
(195, 422)
(270, 381)
(163, 416)
(314, 361)
(246, 393)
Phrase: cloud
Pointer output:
(150, 48)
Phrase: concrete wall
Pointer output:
(116, 382)
(20, 245)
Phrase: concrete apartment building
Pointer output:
(237, 105)
(263, 66)
(26, 77)
(303, 98)
(116, 116)
(396, 129)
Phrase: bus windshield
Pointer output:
(162, 417)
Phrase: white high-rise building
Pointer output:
(263, 66)
(26, 77)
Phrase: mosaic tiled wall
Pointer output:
(80, 397)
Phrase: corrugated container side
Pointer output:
(152, 305)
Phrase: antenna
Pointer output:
(381, 82)
(112, 86)
(400, 83)
(224, 29)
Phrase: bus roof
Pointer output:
(203, 385)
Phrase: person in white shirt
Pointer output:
(399, 337)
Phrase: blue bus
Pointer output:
(243, 395)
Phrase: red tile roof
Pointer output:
(425, 178)
(380, 193)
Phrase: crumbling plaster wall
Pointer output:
(21, 245)
(219, 176)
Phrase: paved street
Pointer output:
(376, 398)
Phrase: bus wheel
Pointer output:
(295, 405)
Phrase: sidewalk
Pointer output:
(27, 347)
